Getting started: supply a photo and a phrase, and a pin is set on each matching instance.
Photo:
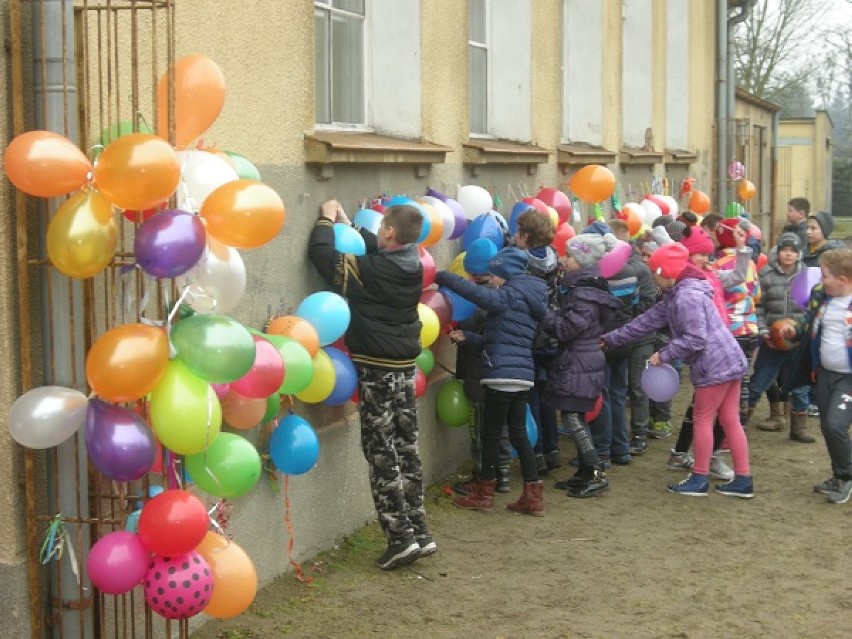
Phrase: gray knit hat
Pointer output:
(791, 240)
(589, 248)
(825, 221)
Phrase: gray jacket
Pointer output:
(776, 301)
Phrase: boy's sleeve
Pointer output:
(647, 289)
(371, 242)
(491, 299)
(337, 269)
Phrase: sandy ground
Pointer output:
(634, 562)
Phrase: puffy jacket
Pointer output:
(776, 302)
(698, 335)
(635, 287)
(740, 299)
(469, 357)
(810, 257)
(514, 311)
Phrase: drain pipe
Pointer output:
(722, 80)
(55, 99)
(743, 15)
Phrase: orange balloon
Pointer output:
(199, 98)
(243, 413)
(436, 224)
(127, 362)
(298, 329)
(699, 202)
(243, 214)
(234, 576)
(747, 190)
(633, 220)
(593, 183)
(138, 171)
(81, 237)
(45, 164)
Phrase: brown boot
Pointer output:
(799, 428)
(480, 498)
(531, 501)
(777, 417)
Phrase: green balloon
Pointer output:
(273, 407)
(425, 361)
(734, 209)
(298, 364)
(245, 169)
(125, 127)
(230, 467)
(451, 405)
(217, 348)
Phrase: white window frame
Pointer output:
(486, 28)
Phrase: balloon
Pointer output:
(46, 416)
(762, 260)
(199, 94)
(755, 232)
(517, 210)
(229, 468)
(178, 587)
(266, 374)
(537, 204)
(448, 219)
(137, 217)
(735, 209)
(298, 329)
(431, 326)
(216, 348)
(558, 200)
(484, 226)
(736, 170)
(322, 382)
(298, 365)
(460, 218)
(173, 523)
(170, 243)
(611, 263)
(202, 173)
(564, 232)
(474, 200)
(420, 383)
(328, 312)
(294, 446)
(439, 303)
(185, 413)
(117, 562)
(242, 413)
(234, 576)
(452, 406)
(462, 309)
(593, 183)
(532, 427)
(425, 362)
(45, 164)
(457, 265)
(137, 171)
(660, 201)
(429, 268)
(246, 170)
(120, 444)
(81, 237)
(221, 390)
(119, 129)
(218, 281)
(273, 407)
(592, 414)
(660, 383)
(634, 219)
(802, 284)
(436, 224)
(651, 211)
(348, 240)
(674, 209)
(401, 200)
(127, 362)
(699, 202)
(345, 377)
(243, 214)
(367, 219)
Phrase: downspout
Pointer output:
(745, 12)
(773, 177)
(722, 80)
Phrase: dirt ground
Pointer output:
(634, 562)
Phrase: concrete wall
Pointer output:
(808, 142)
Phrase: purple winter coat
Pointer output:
(699, 337)
(576, 376)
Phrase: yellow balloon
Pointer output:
(81, 236)
(457, 266)
(431, 325)
(322, 383)
(185, 412)
(554, 216)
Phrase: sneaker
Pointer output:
(399, 552)
(842, 492)
(427, 546)
(638, 446)
(741, 486)
(720, 470)
(596, 484)
(604, 460)
(813, 411)
(622, 460)
(827, 486)
(504, 480)
(659, 430)
(680, 461)
(693, 486)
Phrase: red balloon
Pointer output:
(563, 233)
(173, 523)
(340, 345)
(596, 410)
(141, 216)
(558, 200)
(419, 383)
(762, 260)
(660, 201)
(266, 374)
(537, 204)
(356, 397)
(429, 268)
(439, 303)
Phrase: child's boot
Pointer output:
(777, 417)
(582, 477)
(531, 501)
(503, 479)
(594, 485)
(481, 497)
(799, 428)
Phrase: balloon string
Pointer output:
(297, 567)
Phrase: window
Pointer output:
(339, 60)
(477, 65)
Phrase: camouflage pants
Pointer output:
(389, 442)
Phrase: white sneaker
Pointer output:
(720, 470)
(680, 461)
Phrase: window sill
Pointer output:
(570, 156)
(680, 156)
(479, 152)
(639, 157)
(327, 148)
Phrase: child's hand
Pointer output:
(654, 360)
(331, 209)
(456, 336)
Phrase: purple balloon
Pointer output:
(436, 194)
(169, 243)
(346, 379)
(660, 383)
(461, 218)
(120, 443)
(803, 282)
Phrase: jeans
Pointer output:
(639, 402)
(506, 408)
(475, 432)
(834, 399)
(545, 417)
(767, 365)
(609, 428)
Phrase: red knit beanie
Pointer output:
(669, 260)
(697, 241)
(725, 232)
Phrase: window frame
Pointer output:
(487, 29)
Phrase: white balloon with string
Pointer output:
(651, 211)
(218, 282)
(445, 212)
(474, 200)
(201, 174)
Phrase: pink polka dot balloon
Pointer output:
(178, 587)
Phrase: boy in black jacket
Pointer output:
(383, 288)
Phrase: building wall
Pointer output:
(807, 144)
(756, 150)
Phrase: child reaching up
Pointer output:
(700, 339)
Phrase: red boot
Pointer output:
(480, 498)
(531, 501)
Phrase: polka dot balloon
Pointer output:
(178, 587)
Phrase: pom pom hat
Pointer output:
(669, 260)
(698, 241)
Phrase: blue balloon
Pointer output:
(462, 309)
(401, 200)
(348, 240)
(294, 446)
(328, 312)
(132, 523)
(346, 378)
(532, 431)
(519, 209)
(368, 219)
(484, 226)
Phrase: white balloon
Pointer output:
(217, 283)
(201, 174)
(47, 416)
(674, 209)
(474, 200)
(636, 208)
(651, 211)
(446, 214)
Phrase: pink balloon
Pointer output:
(429, 268)
(178, 587)
(660, 383)
(117, 562)
(266, 374)
(220, 389)
(755, 232)
(537, 204)
(614, 261)
(419, 383)
(803, 282)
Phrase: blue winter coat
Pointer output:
(576, 376)
(699, 337)
(514, 311)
